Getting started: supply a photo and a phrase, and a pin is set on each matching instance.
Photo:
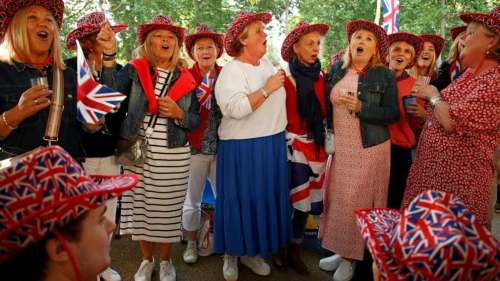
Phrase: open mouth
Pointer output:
(359, 50)
(165, 47)
(265, 43)
(426, 58)
(42, 35)
(206, 57)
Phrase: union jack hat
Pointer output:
(409, 38)
(377, 30)
(45, 189)
(435, 238)
(160, 22)
(204, 31)
(491, 19)
(300, 29)
(8, 8)
(456, 30)
(238, 25)
(436, 40)
(87, 25)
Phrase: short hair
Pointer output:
(412, 50)
(374, 61)
(236, 44)
(144, 50)
(16, 42)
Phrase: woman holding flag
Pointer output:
(161, 106)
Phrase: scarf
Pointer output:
(308, 106)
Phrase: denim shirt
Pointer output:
(127, 81)
(14, 81)
(210, 136)
(378, 93)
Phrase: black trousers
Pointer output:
(400, 167)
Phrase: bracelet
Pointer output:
(7, 123)
(264, 92)
(434, 101)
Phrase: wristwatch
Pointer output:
(264, 92)
(434, 101)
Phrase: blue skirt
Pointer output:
(252, 214)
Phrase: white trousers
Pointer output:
(201, 167)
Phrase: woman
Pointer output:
(70, 244)
(404, 49)
(456, 150)
(306, 111)
(252, 215)
(362, 101)
(426, 65)
(161, 107)
(93, 31)
(451, 69)
(30, 49)
(204, 46)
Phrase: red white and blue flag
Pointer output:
(94, 100)
(391, 16)
(204, 91)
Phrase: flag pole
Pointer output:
(377, 13)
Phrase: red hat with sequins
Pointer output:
(8, 8)
(435, 40)
(238, 25)
(415, 41)
(46, 189)
(204, 31)
(88, 25)
(456, 30)
(377, 30)
(160, 22)
(490, 20)
(300, 29)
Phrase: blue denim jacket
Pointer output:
(127, 81)
(14, 80)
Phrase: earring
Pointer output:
(487, 52)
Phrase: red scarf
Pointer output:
(182, 86)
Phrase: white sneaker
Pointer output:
(257, 265)
(145, 270)
(330, 263)
(230, 268)
(345, 271)
(191, 253)
(111, 275)
(167, 271)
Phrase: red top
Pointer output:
(294, 125)
(401, 132)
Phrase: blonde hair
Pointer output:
(432, 70)
(144, 50)
(374, 61)
(15, 45)
(493, 53)
(454, 53)
(236, 44)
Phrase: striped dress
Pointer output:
(152, 210)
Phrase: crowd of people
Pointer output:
(389, 149)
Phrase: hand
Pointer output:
(351, 102)
(106, 38)
(169, 108)
(416, 110)
(33, 100)
(275, 81)
(425, 91)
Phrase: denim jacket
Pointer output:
(378, 93)
(14, 81)
(127, 81)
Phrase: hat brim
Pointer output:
(295, 35)
(409, 38)
(144, 29)
(191, 40)
(455, 31)
(84, 31)
(239, 25)
(377, 30)
(486, 19)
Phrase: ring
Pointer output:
(36, 101)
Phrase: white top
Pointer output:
(235, 82)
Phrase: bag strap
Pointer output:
(148, 131)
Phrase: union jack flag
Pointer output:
(94, 100)
(204, 91)
(391, 16)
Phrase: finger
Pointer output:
(42, 93)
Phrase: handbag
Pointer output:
(329, 141)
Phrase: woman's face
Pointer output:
(205, 52)
(307, 48)
(256, 42)
(427, 56)
(400, 56)
(41, 26)
(363, 46)
(476, 44)
(163, 44)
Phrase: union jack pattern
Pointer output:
(204, 91)
(47, 189)
(94, 100)
(391, 16)
(435, 238)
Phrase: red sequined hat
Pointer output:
(88, 25)
(204, 31)
(409, 38)
(8, 8)
(436, 40)
(160, 22)
(46, 189)
(491, 19)
(238, 25)
(300, 29)
(456, 30)
(377, 30)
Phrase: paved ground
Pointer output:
(126, 258)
